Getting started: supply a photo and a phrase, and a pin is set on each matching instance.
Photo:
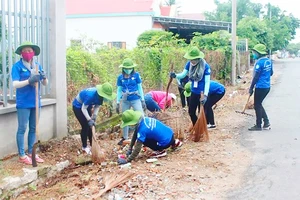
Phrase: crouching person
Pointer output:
(149, 132)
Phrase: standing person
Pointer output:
(181, 85)
(149, 132)
(263, 70)
(84, 102)
(199, 74)
(130, 91)
(156, 100)
(216, 92)
(25, 78)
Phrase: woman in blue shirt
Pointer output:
(24, 79)
(216, 92)
(263, 70)
(130, 91)
(199, 75)
(149, 132)
(84, 102)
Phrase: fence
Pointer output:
(22, 20)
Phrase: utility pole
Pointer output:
(233, 42)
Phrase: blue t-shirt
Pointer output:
(130, 85)
(198, 87)
(216, 88)
(151, 128)
(25, 96)
(89, 97)
(264, 67)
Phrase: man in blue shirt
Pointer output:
(149, 132)
(263, 70)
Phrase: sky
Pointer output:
(192, 6)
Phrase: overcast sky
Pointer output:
(192, 6)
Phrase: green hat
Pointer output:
(130, 117)
(35, 48)
(260, 48)
(193, 53)
(106, 90)
(188, 89)
(127, 63)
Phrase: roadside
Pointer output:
(196, 171)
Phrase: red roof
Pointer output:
(75, 7)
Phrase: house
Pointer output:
(118, 23)
(113, 22)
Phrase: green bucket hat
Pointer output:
(188, 89)
(260, 48)
(193, 53)
(130, 117)
(127, 63)
(106, 90)
(35, 48)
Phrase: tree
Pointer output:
(170, 2)
(293, 48)
(256, 31)
(223, 11)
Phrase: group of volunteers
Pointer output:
(195, 88)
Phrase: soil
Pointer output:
(197, 170)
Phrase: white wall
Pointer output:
(108, 29)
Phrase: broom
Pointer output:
(112, 180)
(199, 130)
(98, 155)
(33, 154)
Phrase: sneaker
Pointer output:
(121, 141)
(267, 127)
(87, 150)
(158, 154)
(177, 144)
(37, 158)
(255, 128)
(26, 160)
(210, 126)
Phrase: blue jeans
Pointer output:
(151, 104)
(25, 115)
(126, 105)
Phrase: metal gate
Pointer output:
(22, 20)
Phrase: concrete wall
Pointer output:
(53, 117)
(108, 29)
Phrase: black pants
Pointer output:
(86, 131)
(194, 103)
(209, 113)
(152, 144)
(183, 99)
(259, 95)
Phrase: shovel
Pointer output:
(33, 157)
(245, 107)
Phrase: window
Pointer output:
(118, 45)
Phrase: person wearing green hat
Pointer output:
(87, 100)
(263, 70)
(149, 132)
(198, 71)
(25, 74)
(129, 91)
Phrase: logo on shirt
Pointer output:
(257, 67)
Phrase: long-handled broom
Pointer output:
(33, 155)
(199, 130)
(245, 107)
(98, 155)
